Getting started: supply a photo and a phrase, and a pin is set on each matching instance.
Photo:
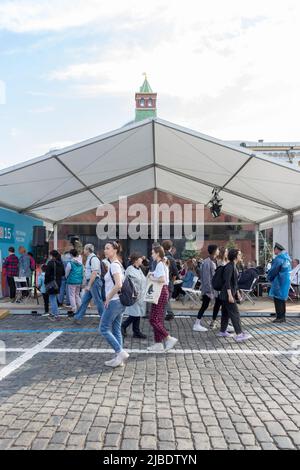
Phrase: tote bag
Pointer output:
(153, 291)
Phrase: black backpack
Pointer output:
(217, 280)
(127, 294)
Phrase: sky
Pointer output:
(69, 69)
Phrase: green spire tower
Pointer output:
(145, 102)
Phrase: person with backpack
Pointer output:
(228, 295)
(138, 309)
(94, 284)
(53, 275)
(163, 341)
(207, 290)
(74, 277)
(111, 320)
(221, 260)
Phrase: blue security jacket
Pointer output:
(279, 276)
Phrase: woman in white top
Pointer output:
(161, 275)
(138, 309)
(111, 320)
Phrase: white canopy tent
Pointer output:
(152, 154)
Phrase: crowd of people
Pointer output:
(79, 276)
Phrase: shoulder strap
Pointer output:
(112, 277)
(90, 262)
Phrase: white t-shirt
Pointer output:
(92, 264)
(115, 267)
(162, 270)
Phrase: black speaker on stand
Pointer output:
(39, 235)
(40, 253)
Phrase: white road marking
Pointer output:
(253, 352)
(28, 354)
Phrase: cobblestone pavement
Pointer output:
(208, 393)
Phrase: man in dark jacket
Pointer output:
(55, 271)
(173, 271)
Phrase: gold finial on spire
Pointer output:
(145, 75)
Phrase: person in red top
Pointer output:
(11, 265)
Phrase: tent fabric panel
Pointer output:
(38, 182)
(127, 186)
(269, 182)
(206, 160)
(111, 157)
(198, 192)
(68, 206)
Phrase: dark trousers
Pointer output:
(231, 311)
(280, 308)
(168, 309)
(204, 306)
(217, 306)
(12, 287)
(46, 302)
(135, 321)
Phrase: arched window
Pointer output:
(142, 102)
(150, 104)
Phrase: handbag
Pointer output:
(52, 286)
(153, 291)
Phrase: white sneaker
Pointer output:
(170, 343)
(156, 347)
(198, 327)
(230, 329)
(123, 355)
(112, 363)
(118, 359)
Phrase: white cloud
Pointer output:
(42, 110)
(202, 55)
(25, 16)
(221, 67)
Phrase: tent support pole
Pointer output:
(55, 237)
(155, 221)
(257, 244)
(290, 234)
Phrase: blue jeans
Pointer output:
(110, 325)
(63, 290)
(95, 294)
(53, 304)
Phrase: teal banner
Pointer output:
(7, 232)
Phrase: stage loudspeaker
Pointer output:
(39, 235)
(40, 253)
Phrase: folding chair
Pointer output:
(22, 286)
(191, 293)
(247, 293)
